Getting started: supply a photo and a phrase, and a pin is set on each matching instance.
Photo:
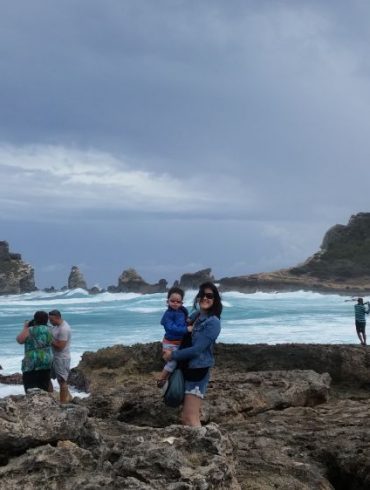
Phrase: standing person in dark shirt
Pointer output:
(360, 320)
(38, 356)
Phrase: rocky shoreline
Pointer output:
(341, 266)
(276, 417)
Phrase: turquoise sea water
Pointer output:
(107, 319)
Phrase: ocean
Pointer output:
(127, 318)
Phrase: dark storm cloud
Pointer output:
(251, 112)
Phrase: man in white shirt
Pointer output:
(61, 366)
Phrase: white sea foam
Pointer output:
(144, 310)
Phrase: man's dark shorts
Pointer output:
(360, 326)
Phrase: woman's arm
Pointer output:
(201, 342)
(21, 337)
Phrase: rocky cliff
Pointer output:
(342, 265)
(275, 417)
(15, 275)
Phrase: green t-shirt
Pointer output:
(37, 347)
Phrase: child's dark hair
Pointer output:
(216, 309)
(175, 290)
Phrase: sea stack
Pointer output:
(131, 282)
(76, 279)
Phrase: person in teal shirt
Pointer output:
(37, 338)
(360, 319)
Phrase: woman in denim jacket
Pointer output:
(199, 356)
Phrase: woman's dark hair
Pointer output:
(216, 308)
(41, 318)
(175, 290)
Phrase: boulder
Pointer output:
(76, 279)
(11, 379)
(16, 276)
(36, 419)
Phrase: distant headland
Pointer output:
(342, 266)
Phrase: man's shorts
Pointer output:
(60, 369)
(197, 388)
(360, 326)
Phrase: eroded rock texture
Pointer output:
(285, 426)
(76, 279)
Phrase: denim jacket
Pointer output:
(200, 354)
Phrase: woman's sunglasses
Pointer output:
(206, 295)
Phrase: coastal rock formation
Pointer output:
(342, 265)
(193, 280)
(270, 422)
(345, 364)
(19, 431)
(76, 279)
(15, 276)
(131, 282)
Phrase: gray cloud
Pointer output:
(245, 121)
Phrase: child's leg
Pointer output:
(169, 367)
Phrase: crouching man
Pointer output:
(61, 366)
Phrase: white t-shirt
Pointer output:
(62, 332)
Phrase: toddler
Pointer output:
(175, 323)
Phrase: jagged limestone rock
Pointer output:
(76, 279)
(16, 276)
(131, 282)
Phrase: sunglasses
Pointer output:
(206, 295)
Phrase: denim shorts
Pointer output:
(197, 388)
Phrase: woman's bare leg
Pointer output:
(190, 414)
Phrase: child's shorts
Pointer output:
(197, 388)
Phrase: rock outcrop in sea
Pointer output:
(131, 282)
(342, 265)
(275, 417)
(76, 279)
(194, 279)
(15, 275)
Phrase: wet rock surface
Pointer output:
(270, 421)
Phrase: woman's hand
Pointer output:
(167, 355)
(21, 337)
(190, 328)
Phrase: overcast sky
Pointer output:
(174, 135)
